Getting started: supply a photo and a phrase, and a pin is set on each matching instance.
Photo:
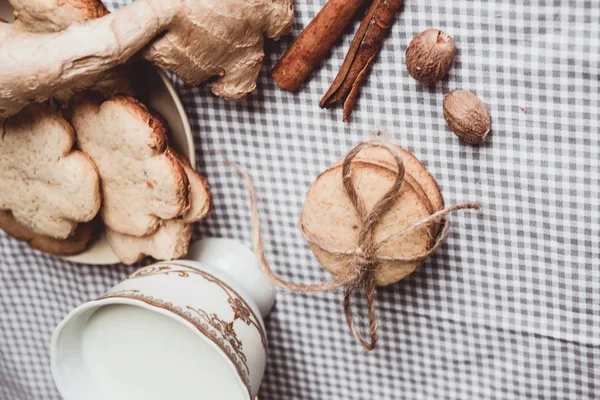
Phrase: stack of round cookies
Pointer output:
(331, 224)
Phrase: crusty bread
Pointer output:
(143, 183)
(74, 244)
(171, 240)
(48, 186)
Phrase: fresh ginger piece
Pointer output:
(201, 40)
(35, 66)
(55, 15)
(227, 43)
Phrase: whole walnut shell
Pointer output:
(430, 55)
(467, 116)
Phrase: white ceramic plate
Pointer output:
(154, 89)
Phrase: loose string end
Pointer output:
(259, 248)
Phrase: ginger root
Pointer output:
(55, 15)
(34, 66)
(201, 39)
(227, 42)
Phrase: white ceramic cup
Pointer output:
(173, 330)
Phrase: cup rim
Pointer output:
(160, 307)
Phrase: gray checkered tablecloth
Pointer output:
(508, 308)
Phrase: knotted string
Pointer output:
(364, 262)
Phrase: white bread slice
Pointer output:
(143, 183)
(48, 186)
(172, 239)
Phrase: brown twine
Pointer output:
(364, 262)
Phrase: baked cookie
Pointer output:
(143, 182)
(48, 186)
(331, 225)
(412, 166)
(416, 174)
(81, 238)
(172, 239)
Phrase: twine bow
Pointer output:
(364, 261)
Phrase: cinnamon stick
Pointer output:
(363, 50)
(314, 43)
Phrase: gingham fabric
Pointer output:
(508, 307)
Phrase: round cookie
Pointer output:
(330, 222)
(143, 183)
(412, 166)
(171, 240)
(76, 243)
(47, 185)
